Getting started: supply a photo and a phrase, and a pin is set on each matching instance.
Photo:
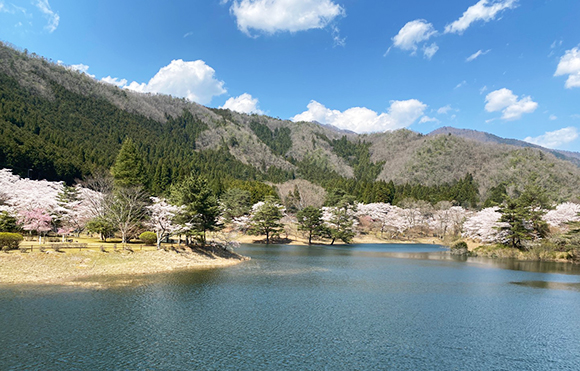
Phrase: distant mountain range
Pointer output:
(60, 124)
(484, 137)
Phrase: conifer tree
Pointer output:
(310, 221)
(201, 207)
(128, 169)
(266, 219)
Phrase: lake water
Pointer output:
(365, 307)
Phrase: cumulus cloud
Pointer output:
(52, 17)
(478, 53)
(401, 114)
(271, 16)
(484, 10)
(192, 80)
(506, 101)
(245, 103)
(413, 33)
(82, 68)
(115, 81)
(554, 139)
(570, 65)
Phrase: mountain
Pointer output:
(483, 137)
(60, 124)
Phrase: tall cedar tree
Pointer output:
(128, 168)
(202, 209)
(310, 221)
(266, 219)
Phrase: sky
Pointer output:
(507, 67)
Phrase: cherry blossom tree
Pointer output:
(26, 194)
(161, 219)
(484, 226)
(562, 214)
(37, 220)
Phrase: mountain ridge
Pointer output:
(64, 124)
(485, 137)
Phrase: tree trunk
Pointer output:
(267, 238)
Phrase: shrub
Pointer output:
(149, 238)
(459, 245)
(10, 241)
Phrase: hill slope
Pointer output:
(63, 125)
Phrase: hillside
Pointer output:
(59, 124)
(479, 136)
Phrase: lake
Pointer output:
(364, 307)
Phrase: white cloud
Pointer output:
(53, 18)
(553, 117)
(192, 80)
(476, 54)
(429, 51)
(412, 34)
(82, 68)
(271, 16)
(426, 119)
(401, 114)
(338, 41)
(506, 101)
(443, 110)
(554, 139)
(484, 10)
(483, 89)
(245, 103)
(461, 84)
(570, 65)
(115, 81)
(11, 8)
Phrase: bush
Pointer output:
(10, 241)
(149, 238)
(461, 245)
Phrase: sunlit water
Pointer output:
(366, 307)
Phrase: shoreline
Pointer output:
(300, 241)
(85, 268)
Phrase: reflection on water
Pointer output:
(365, 307)
(550, 285)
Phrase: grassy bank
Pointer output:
(68, 267)
(539, 252)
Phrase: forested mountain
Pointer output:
(59, 124)
(490, 138)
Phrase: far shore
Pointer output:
(360, 239)
(85, 267)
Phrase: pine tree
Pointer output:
(310, 221)
(128, 168)
(266, 220)
(202, 210)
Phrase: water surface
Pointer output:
(365, 307)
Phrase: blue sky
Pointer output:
(508, 67)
